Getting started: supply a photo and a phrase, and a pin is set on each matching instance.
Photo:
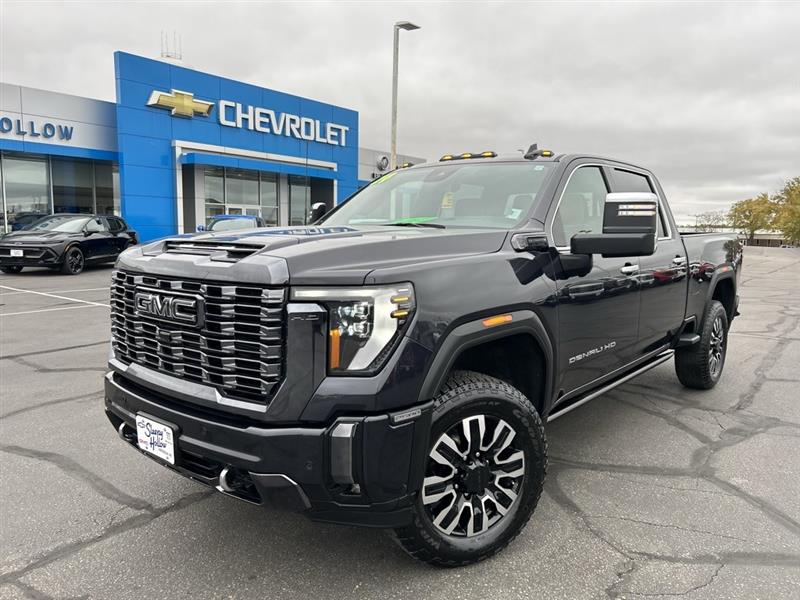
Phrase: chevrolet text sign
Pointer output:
(254, 118)
(265, 120)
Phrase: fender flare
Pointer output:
(720, 275)
(474, 333)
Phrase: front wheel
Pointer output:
(484, 474)
(74, 261)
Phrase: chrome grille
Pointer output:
(239, 349)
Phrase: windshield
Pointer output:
(65, 223)
(231, 224)
(492, 195)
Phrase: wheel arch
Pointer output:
(511, 348)
(723, 289)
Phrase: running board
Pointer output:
(610, 386)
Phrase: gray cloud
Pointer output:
(707, 95)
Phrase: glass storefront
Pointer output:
(299, 199)
(241, 192)
(35, 186)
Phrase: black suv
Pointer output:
(394, 365)
(65, 242)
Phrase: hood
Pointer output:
(36, 237)
(308, 255)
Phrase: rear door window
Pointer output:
(628, 181)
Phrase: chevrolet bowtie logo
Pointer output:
(181, 104)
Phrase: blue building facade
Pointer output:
(178, 147)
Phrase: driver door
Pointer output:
(598, 311)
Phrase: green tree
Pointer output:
(787, 210)
(752, 215)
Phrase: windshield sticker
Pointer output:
(447, 200)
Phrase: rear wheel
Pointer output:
(484, 473)
(74, 261)
(11, 269)
(700, 366)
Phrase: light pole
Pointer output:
(408, 26)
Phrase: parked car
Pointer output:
(394, 365)
(232, 223)
(65, 242)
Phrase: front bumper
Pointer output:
(358, 470)
(40, 256)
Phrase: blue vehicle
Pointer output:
(232, 223)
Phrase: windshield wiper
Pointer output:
(412, 224)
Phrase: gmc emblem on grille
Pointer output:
(167, 307)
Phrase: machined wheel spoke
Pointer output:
(501, 438)
(504, 491)
(477, 518)
(474, 430)
(446, 452)
(513, 466)
(434, 488)
(448, 518)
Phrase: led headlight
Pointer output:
(362, 322)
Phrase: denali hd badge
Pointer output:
(183, 309)
(592, 352)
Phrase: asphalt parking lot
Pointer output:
(653, 490)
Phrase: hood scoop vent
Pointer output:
(219, 251)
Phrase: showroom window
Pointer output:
(73, 186)
(241, 192)
(299, 199)
(34, 186)
(269, 198)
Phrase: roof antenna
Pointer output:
(534, 152)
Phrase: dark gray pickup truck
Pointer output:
(394, 365)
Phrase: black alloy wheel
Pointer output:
(474, 474)
(74, 261)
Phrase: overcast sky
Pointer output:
(706, 95)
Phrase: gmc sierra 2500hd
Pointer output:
(393, 365)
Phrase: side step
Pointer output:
(687, 339)
(610, 386)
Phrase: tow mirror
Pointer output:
(318, 210)
(630, 223)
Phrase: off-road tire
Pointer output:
(692, 364)
(465, 394)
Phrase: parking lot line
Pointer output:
(41, 310)
(55, 291)
(6, 287)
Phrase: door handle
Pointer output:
(679, 261)
(629, 269)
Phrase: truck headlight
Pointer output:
(363, 322)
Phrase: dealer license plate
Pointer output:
(17, 253)
(156, 438)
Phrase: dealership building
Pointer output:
(176, 148)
